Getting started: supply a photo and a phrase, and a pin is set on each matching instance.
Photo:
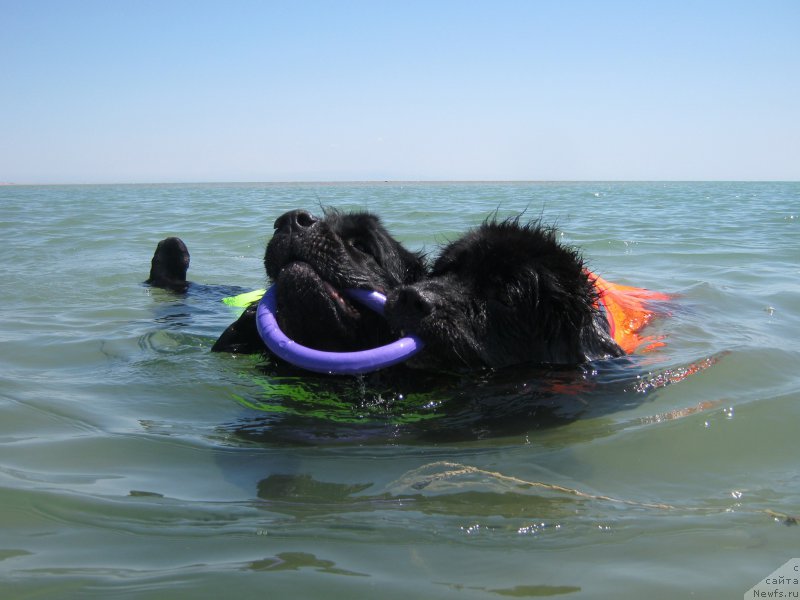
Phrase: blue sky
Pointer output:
(173, 91)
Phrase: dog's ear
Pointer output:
(400, 264)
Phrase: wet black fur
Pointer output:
(505, 293)
(312, 259)
(169, 265)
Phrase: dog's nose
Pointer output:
(411, 303)
(294, 220)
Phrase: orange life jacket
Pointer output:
(628, 311)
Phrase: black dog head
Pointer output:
(312, 260)
(504, 294)
(169, 265)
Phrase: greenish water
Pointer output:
(136, 464)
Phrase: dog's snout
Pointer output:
(294, 221)
(411, 302)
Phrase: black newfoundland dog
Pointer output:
(504, 294)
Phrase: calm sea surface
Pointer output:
(136, 464)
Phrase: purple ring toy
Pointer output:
(332, 363)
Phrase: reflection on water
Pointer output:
(406, 405)
(295, 561)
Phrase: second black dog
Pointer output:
(504, 294)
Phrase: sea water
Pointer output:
(134, 463)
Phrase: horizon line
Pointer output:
(393, 182)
